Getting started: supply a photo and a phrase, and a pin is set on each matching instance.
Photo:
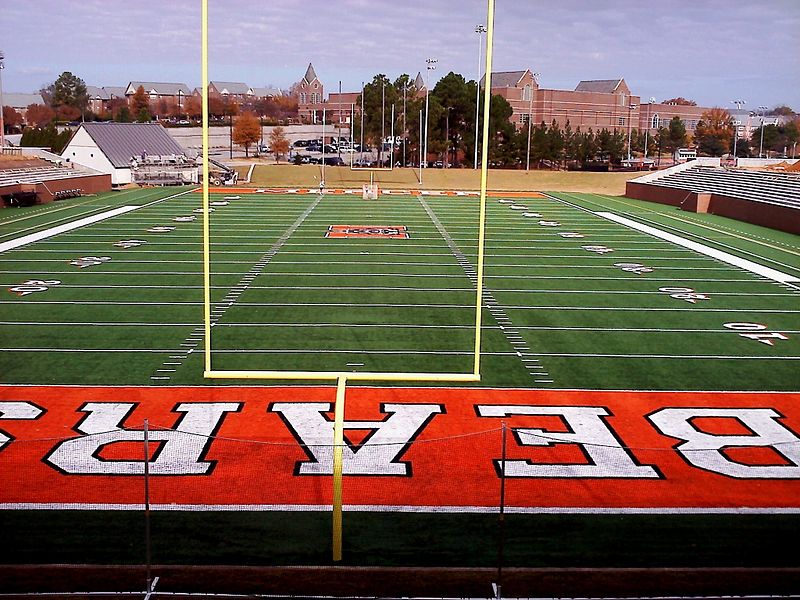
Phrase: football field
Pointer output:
(643, 360)
(572, 298)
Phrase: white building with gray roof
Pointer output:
(127, 151)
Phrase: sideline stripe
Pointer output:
(398, 508)
(41, 235)
(730, 259)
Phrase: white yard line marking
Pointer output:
(236, 291)
(725, 257)
(41, 235)
(497, 311)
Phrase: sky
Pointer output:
(709, 51)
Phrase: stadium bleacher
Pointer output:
(781, 189)
(36, 174)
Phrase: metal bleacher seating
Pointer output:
(758, 186)
(36, 174)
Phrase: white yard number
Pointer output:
(634, 268)
(34, 285)
(161, 229)
(764, 337)
(129, 243)
(571, 234)
(187, 219)
(683, 293)
(598, 249)
(89, 261)
(549, 223)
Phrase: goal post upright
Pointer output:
(487, 103)
(206, 223)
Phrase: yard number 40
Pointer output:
(34, 285)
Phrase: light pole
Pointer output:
(405, 130)
(431, 66)
(647, 126)
(480, 30)
(739, 104)
(383, 123)
(762, 110)
(362, 124)
(447, 137)
(530, 123)
(419, 145)
(2, 122)
(631, 108)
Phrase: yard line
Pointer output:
(258, 267)
(488, 299)
(725, 257)
(359, 351)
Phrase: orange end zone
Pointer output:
(415, 449)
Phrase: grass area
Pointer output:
(440, 179)
(288, 298)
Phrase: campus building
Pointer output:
(596, 104)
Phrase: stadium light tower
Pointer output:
(739, 104)
(480, 30)
(431, 66)
(2, 122)
(530, 123)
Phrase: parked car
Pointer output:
(334, 161)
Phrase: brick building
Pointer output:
(595, 104)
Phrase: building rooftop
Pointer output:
(601, 86)
(122, 141)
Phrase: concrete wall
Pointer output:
(46, 191)
(781, 218)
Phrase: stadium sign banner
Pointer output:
(413, 449)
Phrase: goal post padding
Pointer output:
(370, 191)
